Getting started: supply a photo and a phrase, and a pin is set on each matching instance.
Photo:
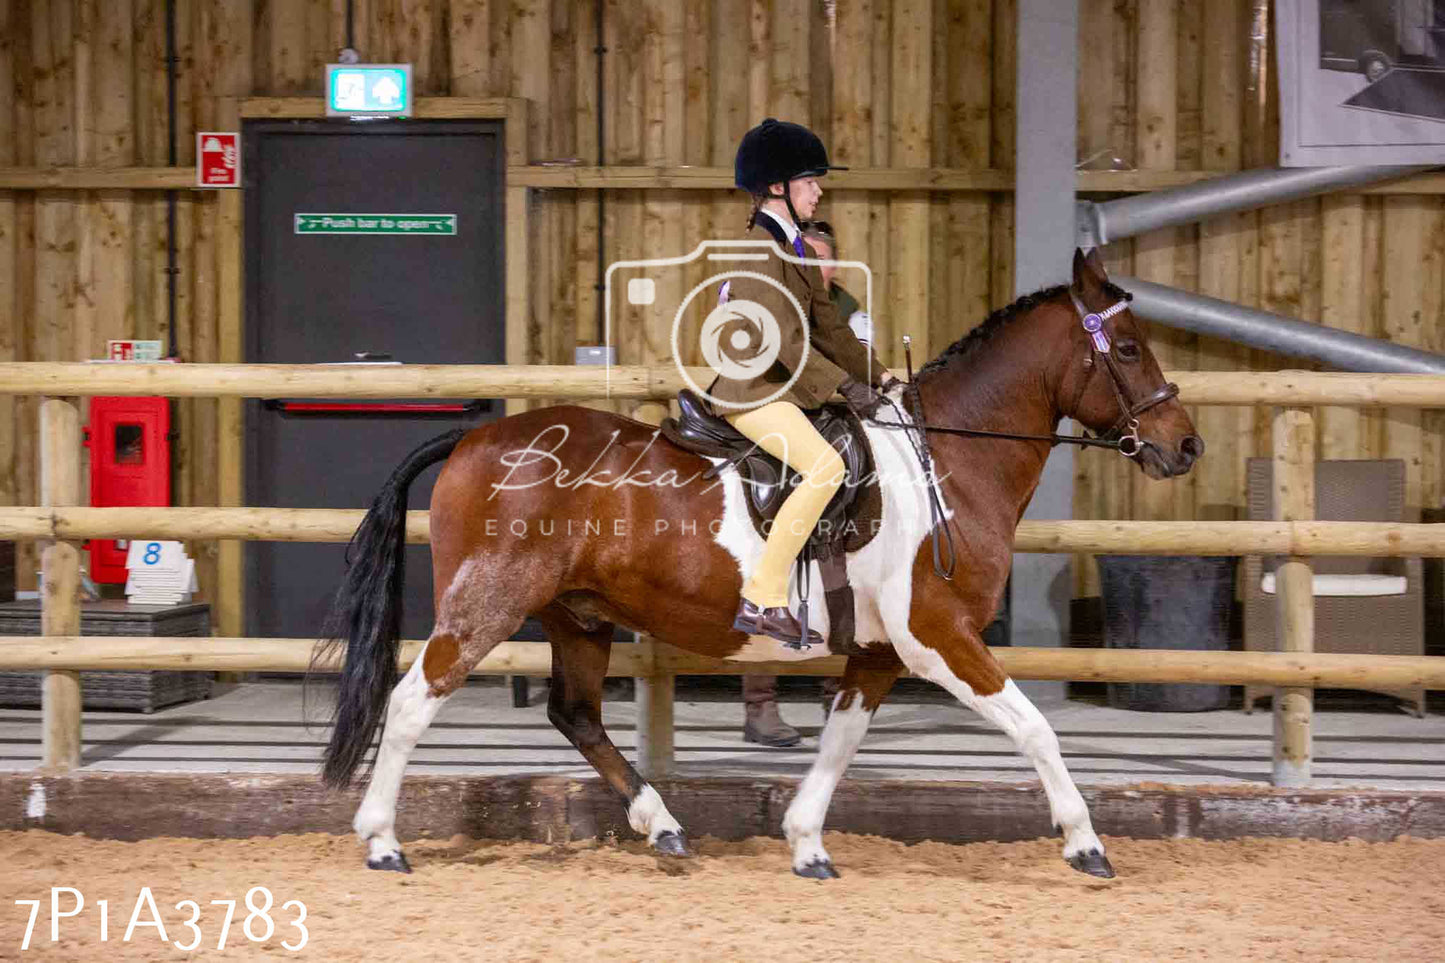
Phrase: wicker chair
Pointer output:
(1367, 491)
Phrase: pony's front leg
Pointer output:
(936, 641)
(866, 680)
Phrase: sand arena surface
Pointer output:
(1260, 899)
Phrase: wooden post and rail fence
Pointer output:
(1294, 534)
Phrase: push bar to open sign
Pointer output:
(406, 224)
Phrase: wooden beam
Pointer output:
(1304, 538)
(1314, 670)
(646, 177)
(60, 597)
(230, 417)
(1250, 388)
(906, 286)
(97, 178)
(1342, 307)
(656, 691)
(544, 809)
(517, 269)
(649, 177)
(1294, 501)
(652, 177)
(427, 108)
(1301, 388)
(1232, 538)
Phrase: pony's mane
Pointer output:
(991, 325)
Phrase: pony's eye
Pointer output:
(1128, 350)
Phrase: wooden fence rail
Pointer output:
(1294, 535)
(1371, 539)
(1303, 670)
(641, 382)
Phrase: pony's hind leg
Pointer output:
(411, 709)
(940, 645)
(866, 680)
(441, 669)
(579, 669)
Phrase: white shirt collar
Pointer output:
(790, 230)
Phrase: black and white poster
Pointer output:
(1361, 81)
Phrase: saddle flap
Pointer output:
(698, 430)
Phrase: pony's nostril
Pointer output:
(1192, 446)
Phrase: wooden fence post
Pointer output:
(655, 692)
(1294, 501)
(60, 567)
(228, 594)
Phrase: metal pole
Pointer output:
(1274, 332)
(1099, 224)
(1047, 118)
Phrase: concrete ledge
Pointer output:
(132, 806)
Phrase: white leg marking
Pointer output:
(649, 816)
(803, 822)
(1012, 712)
(411, 709)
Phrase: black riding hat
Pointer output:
(775, 152)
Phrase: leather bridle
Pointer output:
(1126, 430)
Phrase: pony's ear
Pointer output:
(1088, 271)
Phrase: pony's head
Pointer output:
(1114, 386)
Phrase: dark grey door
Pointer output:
(419, 298)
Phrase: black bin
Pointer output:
(1167, 602)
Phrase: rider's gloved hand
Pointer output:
(861, 398)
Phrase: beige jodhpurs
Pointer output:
(783, 431)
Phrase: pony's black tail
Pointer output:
(365, 619)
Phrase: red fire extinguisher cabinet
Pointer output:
(130, 464)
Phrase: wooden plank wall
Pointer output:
(903, 83)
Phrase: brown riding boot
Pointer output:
(775, 622)
(762, 723)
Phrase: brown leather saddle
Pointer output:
(848, 522)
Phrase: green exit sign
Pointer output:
(416, 225)
(368, 90)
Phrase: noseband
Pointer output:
(1125, 431)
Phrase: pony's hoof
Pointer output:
(1093, 862)
(670, 843)
(394, 862)
(817, 869)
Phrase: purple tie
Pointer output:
(798, 245)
